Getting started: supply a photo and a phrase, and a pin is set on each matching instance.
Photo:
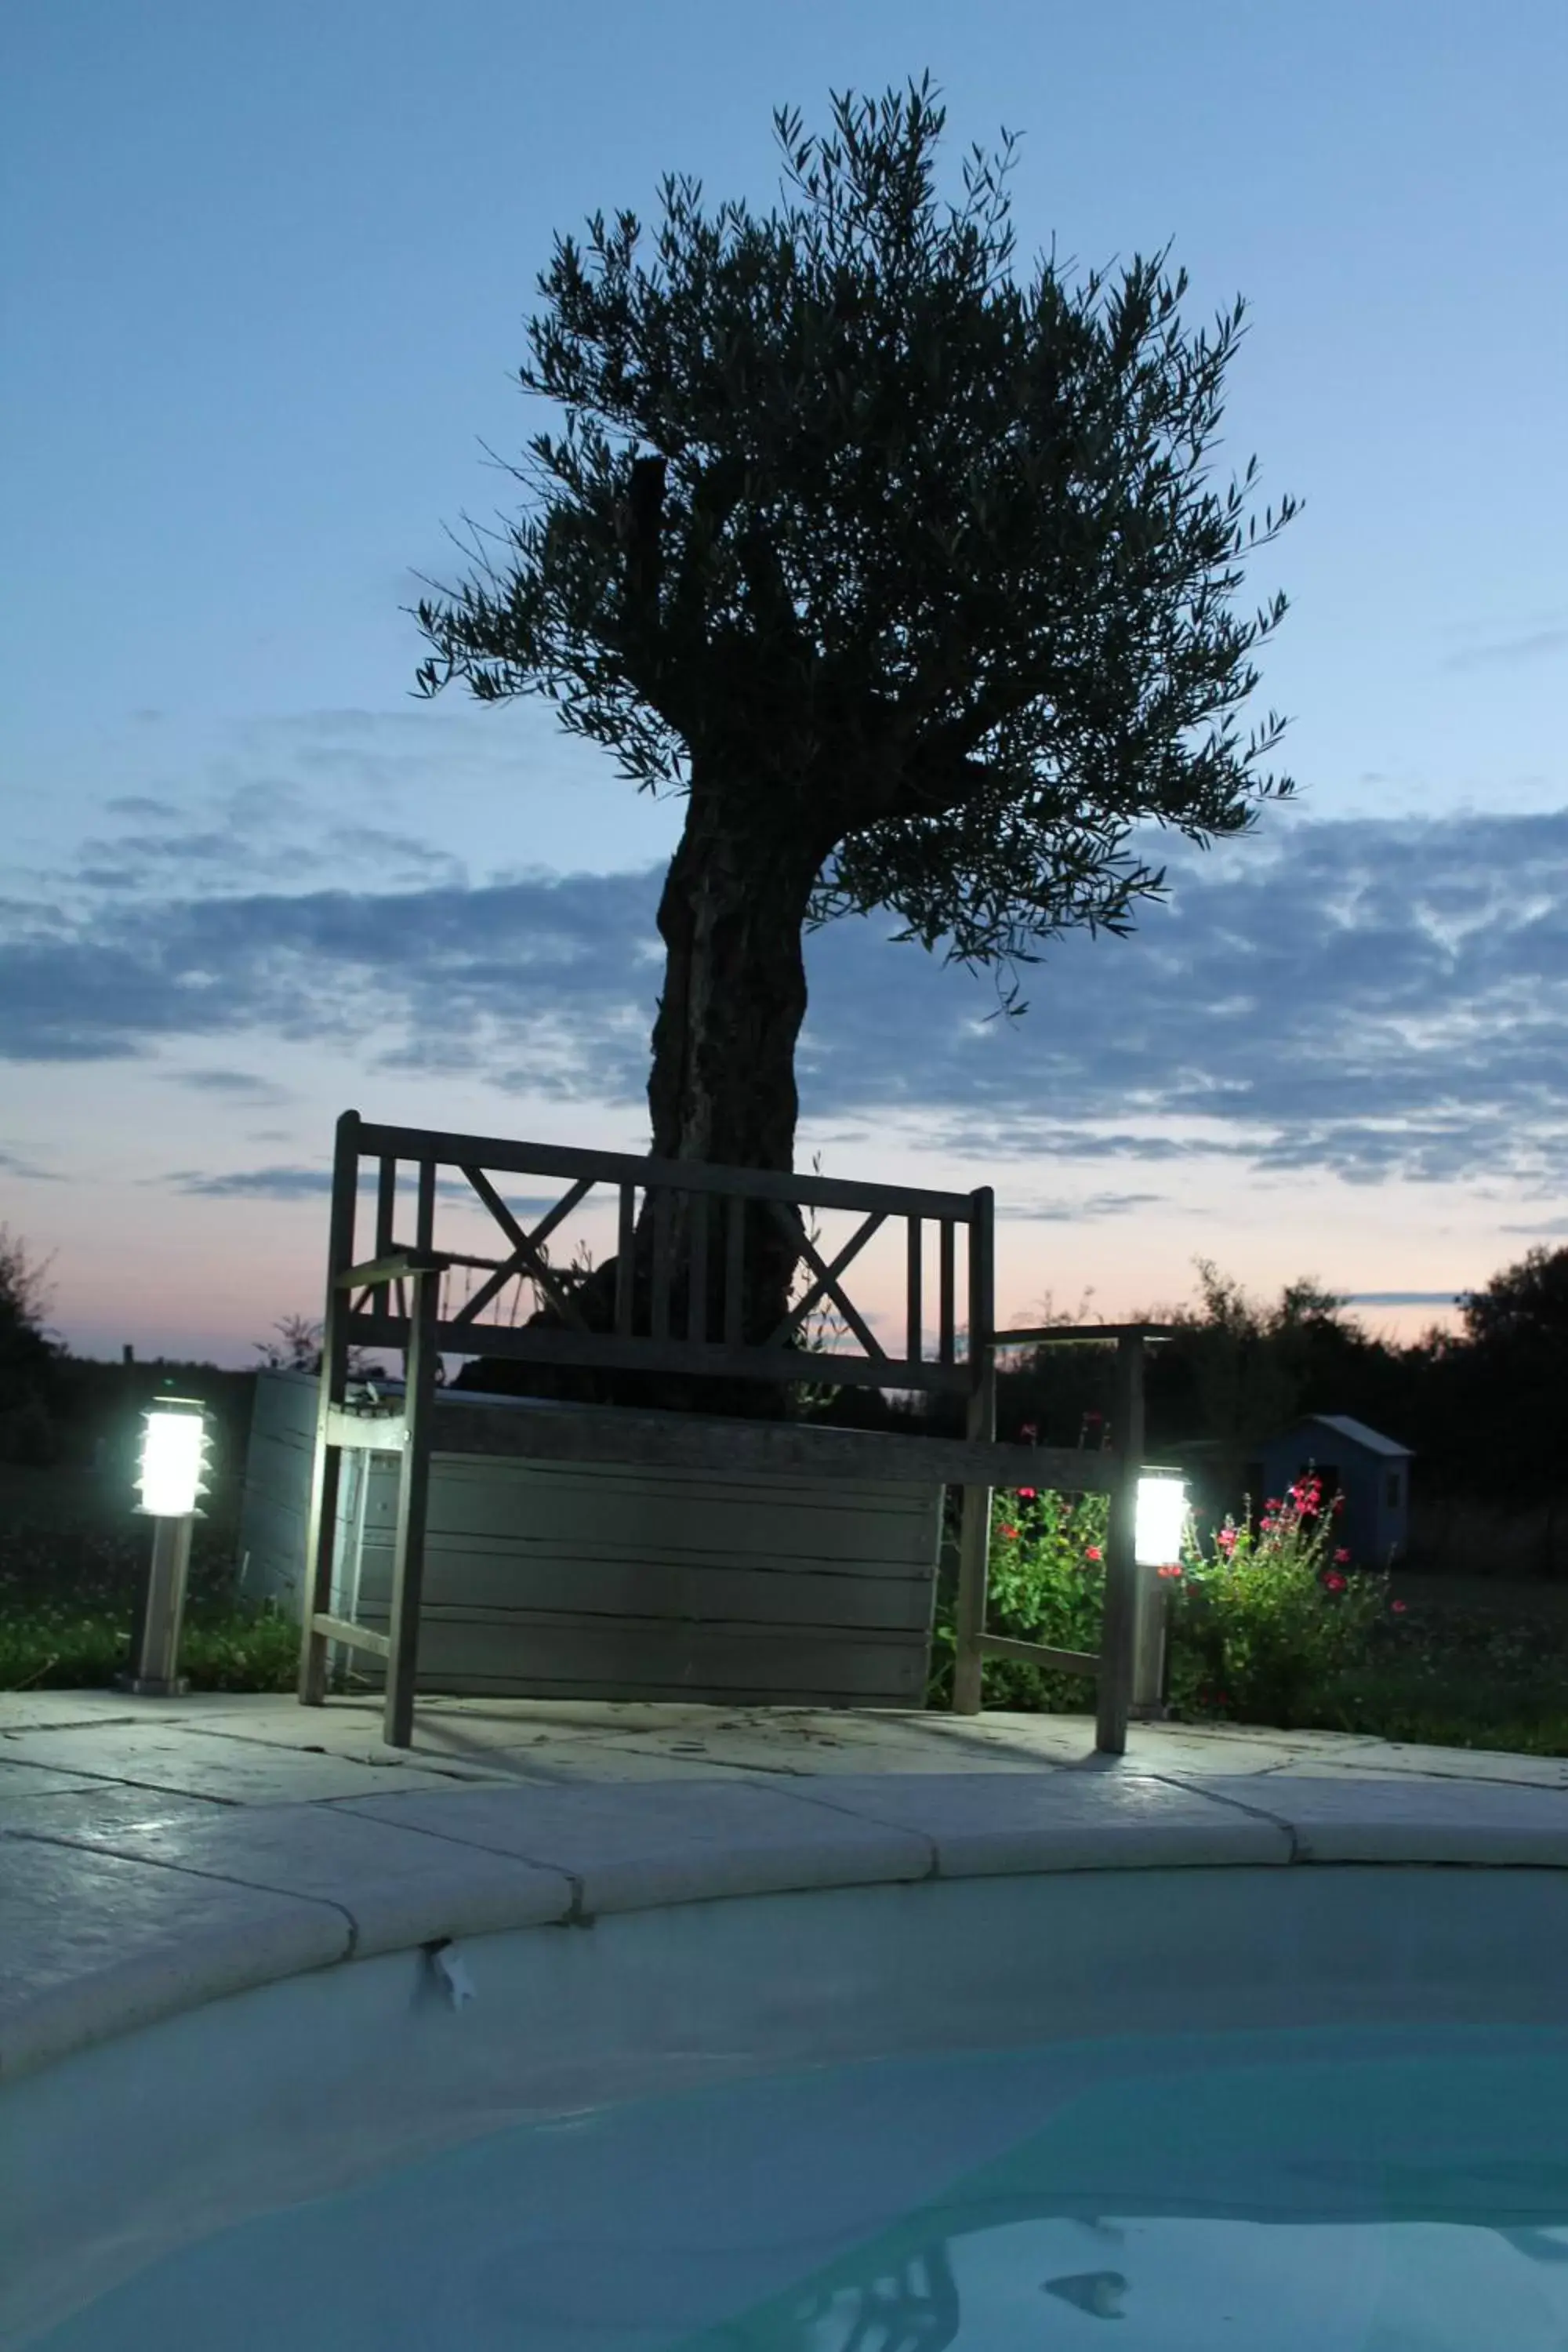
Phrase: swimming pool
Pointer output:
(1278, 2108)
(1307, 2192)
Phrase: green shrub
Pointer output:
(1261, 1626)
(28, 1435)
(1258, 1628)
(1046, 1584)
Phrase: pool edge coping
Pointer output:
(207, 1934)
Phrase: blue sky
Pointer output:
(264, 279)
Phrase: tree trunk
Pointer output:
(721, 1092)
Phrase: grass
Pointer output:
(1492, 1673)
(73, 1555)
(1489, 1673)
(1452, 1679)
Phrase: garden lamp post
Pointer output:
(173, 1458)
(1157, 1543)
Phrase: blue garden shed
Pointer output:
(1370, 1471)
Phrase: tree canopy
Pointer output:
(904, 573)
(848, 527)
(1524, 1308)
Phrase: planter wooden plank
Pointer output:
(609, 1580)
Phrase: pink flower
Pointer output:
(1026, 1494)
(1334, 1580)
(1167, 1572)
(1092, 1552)
(1009, 1532)
(1269, 1526)
(1342, 1558)
(1274, 1504)
(1225, 1538)
(1397, 1607)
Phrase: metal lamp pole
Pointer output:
(1157, 1543)
(174, 1457)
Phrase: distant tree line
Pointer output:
(1484, 1409)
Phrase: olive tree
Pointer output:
(900, 570)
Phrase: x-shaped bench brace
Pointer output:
(827, 1277)
(525, 1257)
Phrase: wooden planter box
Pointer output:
(557, 1581)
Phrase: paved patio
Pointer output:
(155, 1854)
(70, 1758)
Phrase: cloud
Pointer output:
(280, 798)
(1400, 1297)
(420, 862)
(1122, 1145)
(26, 1170)
(142, 804)
(162, 850)
(314, 1183)
(1512, 649)
(237, 1086)
(1375, 999)
(1073, 1212)
(321, 965)
(250, 1183)
(312, 726)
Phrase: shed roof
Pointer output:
(1357, 1432)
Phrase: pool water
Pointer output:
(1312, 2191)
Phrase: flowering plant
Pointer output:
(1257, 1630)
(1046, 1583)
(1048, 1568)
(1264, 1620)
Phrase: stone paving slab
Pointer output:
(91, 1735)
(17, 1780)
(249, 1749)
(1440, 1764)
(46, 1710)
(95, 1945)
(475, 1726)
(724, 1755)
(68, 1802)
(1013, 1821)
(1412, 1820)
(568, 1765)
(192, 1761)
(628, 1849)
(549, 1737)
(1211, 1750)
(398, 1887)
